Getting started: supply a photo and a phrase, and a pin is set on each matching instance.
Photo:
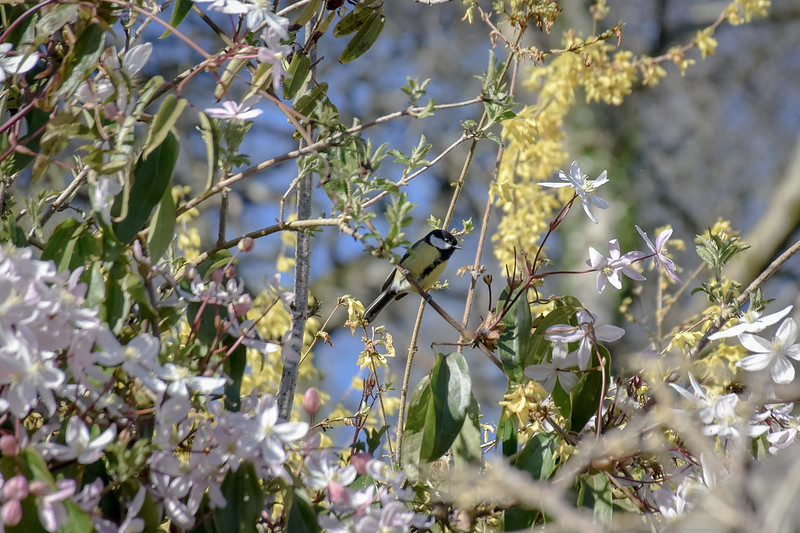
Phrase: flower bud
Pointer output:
(247, 244)
(11, 513)
(16, 488)
(360, 460)
(9, 445)
(311, 401)
(338, 493)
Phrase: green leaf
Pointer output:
(61, 244)
(308, 13)
(538, 346)
(416, 443)
(133, 284)
(538, 456)
(309, 100)
(515, 338)
(234, 367)
(352, 21)
(364, 38)
(296, 75)
(467, 447)
(507, 434)
(451, 387)
(151, 175)
(210, 135)
(118, 301)
(594, 492)
(165, 119)
(302, 516)
(245, 501)
(54, 19)
(180, 9)
(563, 402)
(162, 230)
(83, 60)
(585, 396)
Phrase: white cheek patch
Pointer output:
(439, 243)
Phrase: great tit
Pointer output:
(425, 261)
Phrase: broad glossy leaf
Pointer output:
(537, 457)
(302, 517)
(594, 492)
(245, 499)
(162, 230)
(515, 338)
(234, 367)
(420, 409)
(152, 175)
(586, 394)
(451, 386)
(467, 447)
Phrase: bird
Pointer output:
(424, 261)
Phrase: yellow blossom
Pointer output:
(705, 42)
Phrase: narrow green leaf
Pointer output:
(245, 501)
(151, 176)
(307, 101)
(296, 75)
(165, 119)
(162, 229)
(210, 135)
(308, 13)
(83, 59)
(180, 9)
(515, 338)
(364, 38)
(351, 22)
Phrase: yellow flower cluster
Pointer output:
(265, 370)
(742, 11)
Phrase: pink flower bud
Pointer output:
(241, 305)
(9, 445)
(16, 488)
(40, 488)
(338, 493)
(247, 244)
(311, 401)
(218, 275)
(360, 460)
(11, 513)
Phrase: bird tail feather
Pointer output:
(377, 306)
